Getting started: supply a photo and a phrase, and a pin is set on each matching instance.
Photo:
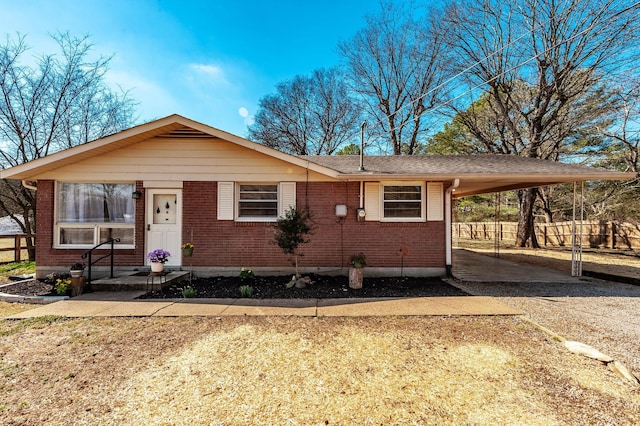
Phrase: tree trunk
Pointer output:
(526, 232)
(545, 198)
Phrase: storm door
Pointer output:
(164, 223)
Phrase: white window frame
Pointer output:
(256, 218)
(97, 227)
(423, 201)
(229, 199)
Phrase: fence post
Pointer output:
(613, 234)
(17, 248)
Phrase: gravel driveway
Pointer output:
(603, 314)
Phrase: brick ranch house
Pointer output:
(175, 180)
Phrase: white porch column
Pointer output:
(448, 196)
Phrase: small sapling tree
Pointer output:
(292, 230)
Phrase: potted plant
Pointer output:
(158, 258)
(77, 270)
(187, 249)
(356, 270)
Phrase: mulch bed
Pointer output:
(321, 287)
(29, 288)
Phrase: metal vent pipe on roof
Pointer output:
(362, 127)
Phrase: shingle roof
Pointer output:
(448, 164)
(477, 173)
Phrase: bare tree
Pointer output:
(620, 150)
(623, 134)
(307, 115)
(397, 64)
(541, 65)
(60, 102)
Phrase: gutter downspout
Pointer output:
(28, 185)
(447, 226)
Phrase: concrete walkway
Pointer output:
(114, 304)
(468, 266)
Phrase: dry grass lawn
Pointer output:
(9, 256)
(300, 371)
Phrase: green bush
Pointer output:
(246, 290)
(246, 274)
(189, 292)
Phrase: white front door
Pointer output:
(164, 223)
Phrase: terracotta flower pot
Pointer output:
(355, 277)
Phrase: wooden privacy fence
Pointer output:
(595, 234)
(15, 243)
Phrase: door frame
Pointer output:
(174, 248)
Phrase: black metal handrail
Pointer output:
(88, 254)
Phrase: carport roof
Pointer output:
(477, 174)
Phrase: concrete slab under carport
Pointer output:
(472, 266)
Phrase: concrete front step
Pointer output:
(144, 281)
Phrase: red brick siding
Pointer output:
(46, 255)
(229, 243)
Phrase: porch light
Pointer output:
(136, 194)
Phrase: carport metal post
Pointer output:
(496, 226)
(576, 242)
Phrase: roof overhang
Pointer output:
(480, 174)
(475, 184)
(164, 126)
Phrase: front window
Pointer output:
(257, 201)
(90, 213)
(403, 202)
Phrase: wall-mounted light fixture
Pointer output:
(136, 194)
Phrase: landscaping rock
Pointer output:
(623, 371)
(320, 287)
(586, 350)
(303, 282)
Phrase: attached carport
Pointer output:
(473, 175)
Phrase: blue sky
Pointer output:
(211, 60)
